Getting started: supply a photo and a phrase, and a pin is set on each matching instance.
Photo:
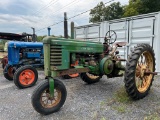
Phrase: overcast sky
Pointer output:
(19, 16)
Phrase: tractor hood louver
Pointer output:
(56, 55)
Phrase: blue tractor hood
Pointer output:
(15, 50)
(25, 44)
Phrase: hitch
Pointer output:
(148, 73)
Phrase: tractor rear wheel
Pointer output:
(43, 102)
(89, 78)
(25, 76)
(71, 76)
(138, 78)
(8, 72)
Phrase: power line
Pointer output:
(46, 6)
(71, 17)
(71, 3)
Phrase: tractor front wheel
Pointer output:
(42, 100)
(25, 76)
(139, 73)
(89, 78)
(8, 72)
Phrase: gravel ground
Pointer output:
(105, 100)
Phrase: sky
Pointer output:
(17, 16)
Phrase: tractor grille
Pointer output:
(56, 55)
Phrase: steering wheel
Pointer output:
(110, 37)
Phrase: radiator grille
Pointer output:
(56, 55)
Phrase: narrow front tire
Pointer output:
(43, 102)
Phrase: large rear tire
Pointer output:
(25, 76)
(43, 103)
(8, 72)
(71, 76)
(90, 78)
(137, 80)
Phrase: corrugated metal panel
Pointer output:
(121, 29)
(90, 31)
(93, 32)
(156, 42)
(141, 31)
(80, 33)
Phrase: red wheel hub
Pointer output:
(26, 77)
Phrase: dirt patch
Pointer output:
(2, 54)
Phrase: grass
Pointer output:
(153, 116)
(103, 118)
(95, 115)
(118, 102)
(121, 99)
(120, 108)
(121, 96)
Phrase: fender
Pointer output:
(4, 61)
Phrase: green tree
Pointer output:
(132, 8)
(97, 12)
(137, 7)
(40, 38)
(113, 11)
(150, 6)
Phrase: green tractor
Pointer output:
(95, 59)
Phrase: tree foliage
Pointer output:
(116, 10)
(40, 38)
(97, 12)
(132, 8)
(102, 12)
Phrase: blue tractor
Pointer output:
(23, 56)
(23, 59)
(25, 37)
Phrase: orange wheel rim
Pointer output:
(26, 77)
(47, 101)
(74, 75)
(10, 71)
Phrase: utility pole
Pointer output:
(72, 30)
(34, 35)
(49, 29)
(65, 25)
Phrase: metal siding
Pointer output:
(103, 30)
(156, 42)
(141, 31)
(121, 29)
(80, 33)
(93, 32)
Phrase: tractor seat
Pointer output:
(120, 44)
